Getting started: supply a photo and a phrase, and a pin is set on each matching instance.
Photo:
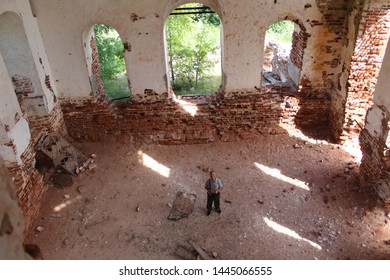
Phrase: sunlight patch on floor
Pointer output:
(353, 148)
(281, 229)
(278, 175)
(154, 165)
(61, 206)
(295, 132)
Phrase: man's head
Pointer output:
(213, 176)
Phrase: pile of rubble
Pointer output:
(61, 160)
(89, 164)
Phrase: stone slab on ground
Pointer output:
(183, 206)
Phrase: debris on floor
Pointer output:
(87, 165)
(80, 189)
(62, 180)
(55, 215)
(185, 253)
(249, 226)
(88, 226)
(202, 253)
(182, 206)
(63, 154)
(297, 146)
(39, 228)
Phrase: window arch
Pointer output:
(106, 64)
(193, 49)
(284, 45)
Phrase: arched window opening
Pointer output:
(108, 67)
(282, 59)
(193, 41)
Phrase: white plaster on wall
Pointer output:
(374, 121)
(41, 63)
(381, 95)
(20, 135)
(141, 24)
(3, 135)
(7, 154)
(16, 51)
(9, 105)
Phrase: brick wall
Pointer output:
(53, 121)
(335, 18)
(96, 70)
(336, 114)
(23, 85)
(29, 184)
(224, 116)
(375, 167)
(28, 181)
(299, 44)
(372, 36)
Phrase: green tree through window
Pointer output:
(112, 63)
(193, 43)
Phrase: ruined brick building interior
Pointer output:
(338, 67)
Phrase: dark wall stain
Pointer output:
(17, 117)
(48, 84)
(127, 46)
(133, 17)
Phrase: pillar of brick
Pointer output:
(375, 167)
(373, 33)
(97, 81)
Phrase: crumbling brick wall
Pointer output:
(371, 42)
(375, 167)
(54, 121)
(23, 85)
(96, 79)
(235, 116)
(29, 183)
(299, 44)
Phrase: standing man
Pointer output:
(213, 187)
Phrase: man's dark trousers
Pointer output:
(213, 197)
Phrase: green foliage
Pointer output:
(117, 88)
(192, 51)
(112, 63)
(206, 85)
(281, 31)
(212, 19)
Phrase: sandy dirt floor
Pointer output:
(289, 197)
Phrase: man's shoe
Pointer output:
(208, 212)
(219, 211)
